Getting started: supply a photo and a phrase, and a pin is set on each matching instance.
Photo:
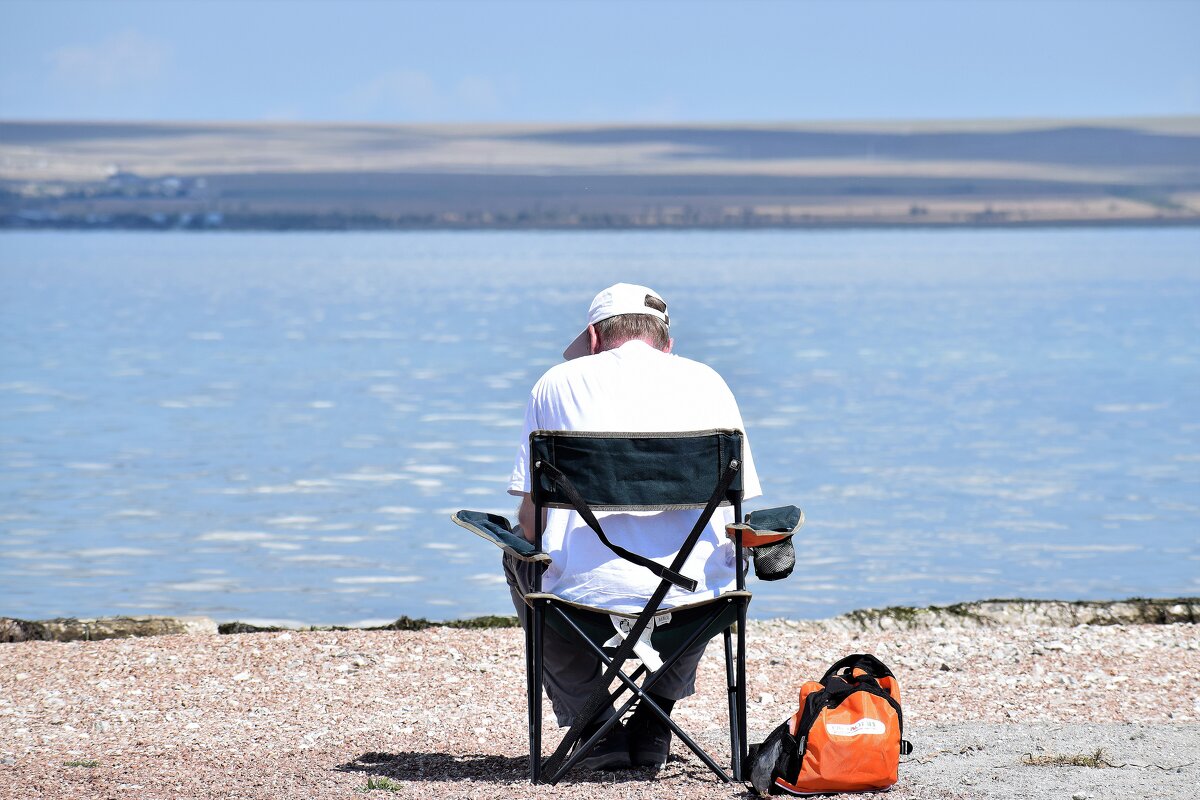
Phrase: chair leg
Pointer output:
(735, 748)
(744, 753)
(533, 646)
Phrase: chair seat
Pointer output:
(597, 625)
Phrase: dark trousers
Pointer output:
(571, 670)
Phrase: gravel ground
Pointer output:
(992, 713)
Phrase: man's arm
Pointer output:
(525, 518)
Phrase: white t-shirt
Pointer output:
(632, 388)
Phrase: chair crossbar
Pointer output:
(703, 631)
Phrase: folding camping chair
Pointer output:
(591, 472)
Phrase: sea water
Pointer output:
(277, 427)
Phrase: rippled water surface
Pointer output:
(276, 427)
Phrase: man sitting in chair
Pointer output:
(620, 376)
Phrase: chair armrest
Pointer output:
(497, 530)
(767, 526)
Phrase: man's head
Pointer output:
(621, 313)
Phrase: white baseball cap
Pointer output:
(618, 299)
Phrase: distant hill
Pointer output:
(283, 176)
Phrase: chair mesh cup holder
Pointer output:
(773, 562)
(768, 535)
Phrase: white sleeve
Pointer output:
(750, 484)
(518, 482)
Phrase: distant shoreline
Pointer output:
(335, 225)
(203, 176)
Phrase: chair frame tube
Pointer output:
(735, 665)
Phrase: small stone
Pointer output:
(242, 676)
(944, 667)
(191, 726)
(765, 698)
(1079, 796)
(8, 761)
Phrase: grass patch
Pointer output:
(408, 624)
(383, 784)
(1094, 760)
(907, 616)
(83, 762)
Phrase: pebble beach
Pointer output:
(1015, 710)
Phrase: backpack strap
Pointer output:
(839, 687)
(864, 661)
(777, 757)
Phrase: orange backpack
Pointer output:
(846, 736)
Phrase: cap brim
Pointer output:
(582, 346)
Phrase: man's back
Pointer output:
(633, 388)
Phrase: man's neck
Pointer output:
(619, 345)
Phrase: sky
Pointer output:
(612, 61)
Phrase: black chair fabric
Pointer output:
(783, 519)
(635, 471)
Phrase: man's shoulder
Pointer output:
(697, 367)
(579, 368)
(565, 372)
(681, 369)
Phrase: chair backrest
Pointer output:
(636, 471)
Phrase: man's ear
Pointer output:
(670, 346)
(593, 340)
